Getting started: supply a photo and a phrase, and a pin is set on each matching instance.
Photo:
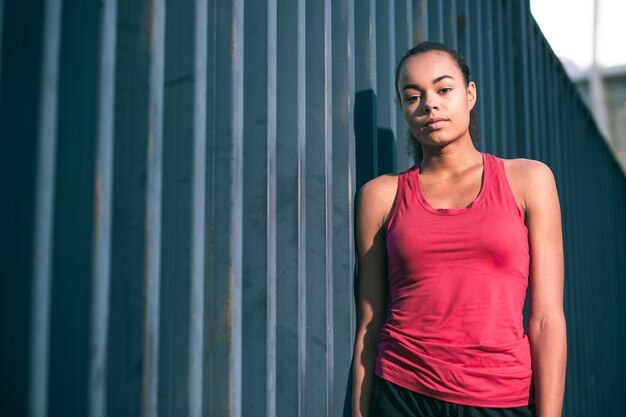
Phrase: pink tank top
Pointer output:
(458, 279)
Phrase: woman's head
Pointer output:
(437, 96)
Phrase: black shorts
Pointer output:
(391, 400)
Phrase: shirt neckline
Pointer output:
(486, 180)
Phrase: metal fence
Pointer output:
(178, 181)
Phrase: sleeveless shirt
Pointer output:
(457, 281)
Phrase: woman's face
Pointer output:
(435, 100)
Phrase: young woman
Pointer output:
(446, 252)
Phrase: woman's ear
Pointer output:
(471, 94)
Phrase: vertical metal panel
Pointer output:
(219, 166)
(316, 176)
(522, 74)
(176, 239)
(463, 35)
(44, 210)
(225, 208)
(365, 104)
(503, 72)
(74, 238)
(156, 39)
(195, 368)
(271, 158)
(420, 20)
(301, 119)
(128, 281)
(329, 354)
(343, 154)
(448, 16)
(488, 94)
(426, 24)
(179, 188)
(404, 40)
(103, 213)
(476, 60)
(535, 99)
(287, 276)
(385, 89)
(255, 226)
(236, 210)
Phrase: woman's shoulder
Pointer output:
(529, 179)
(377, 196)
(527, 170)
(380, 189)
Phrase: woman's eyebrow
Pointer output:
(435, 81)
(442, 77)
(410, 86)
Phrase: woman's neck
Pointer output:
(452, 158)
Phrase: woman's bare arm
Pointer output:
(546, 321)
(374, 204)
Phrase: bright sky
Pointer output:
(567, 25)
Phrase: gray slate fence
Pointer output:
(178, 179)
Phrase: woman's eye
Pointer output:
(412, 99)
(445, 90)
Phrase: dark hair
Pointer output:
(413, 146)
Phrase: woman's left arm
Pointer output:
(546, 321)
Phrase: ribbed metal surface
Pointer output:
(178, 182)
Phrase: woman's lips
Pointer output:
(434, 124)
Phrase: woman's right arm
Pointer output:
(374, 204)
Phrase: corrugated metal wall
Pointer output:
(178, 181)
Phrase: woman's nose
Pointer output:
(429, 103)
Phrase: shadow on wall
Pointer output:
(375, 146)
(375, 149)
(386, 151)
